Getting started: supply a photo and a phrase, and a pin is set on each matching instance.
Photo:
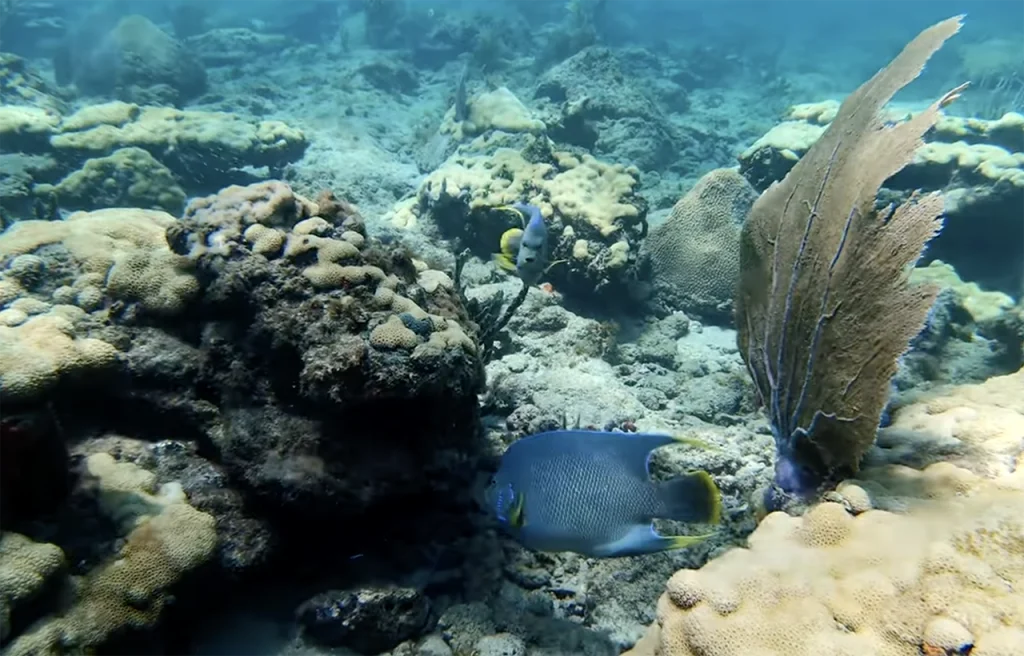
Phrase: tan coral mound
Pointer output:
(165, 539)
(696, 252)
(591, 195)
(127, 246)
(985, 419)
(876, 583)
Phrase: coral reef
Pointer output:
(830, 581)
(128, 177)
(186, 151)
(339, 347)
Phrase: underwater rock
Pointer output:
(321, 373)
(138, 62)
(225, 46)
(368, 620)
(34, 465)
(128, 177)
(958, 343)
(602, 109)
(21, 84)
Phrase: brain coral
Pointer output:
(695, 254)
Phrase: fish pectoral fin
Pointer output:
(504, 261)
(691, 498)
(510, 241)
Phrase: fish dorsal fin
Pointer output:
(513, 210)
(630, 450)
(636, 448)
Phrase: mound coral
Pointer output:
(60, 278)
(695, 254)
(165, 538)
(943, 577)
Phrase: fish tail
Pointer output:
(691, 498)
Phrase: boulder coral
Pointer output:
(943, 577)
(164, 539)
(92, 261)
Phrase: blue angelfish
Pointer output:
(525, 251)
(590, 492)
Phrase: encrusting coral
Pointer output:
(824, 308)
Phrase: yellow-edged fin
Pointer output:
(714, 496)
(694, 442)
(516, 514)
(508, 244)
(683, 541)
(504, 261)
(511, 210)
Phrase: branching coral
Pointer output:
(824, 280)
